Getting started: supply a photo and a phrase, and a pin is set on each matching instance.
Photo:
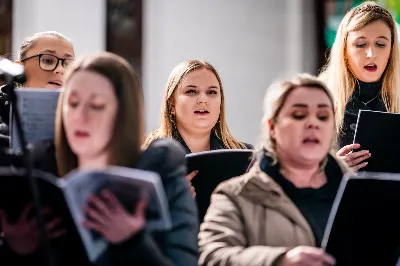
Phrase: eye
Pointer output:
(97, 107)
(380, 44)
(212, 92)
(73, 104)
(323, 117)
(360, 45)
(298, 116)
(190, 92)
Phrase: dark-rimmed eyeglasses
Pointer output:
(49, 62)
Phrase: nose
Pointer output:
(80, 114)
(313, 122)
(59, 69)
(370, 52)
(202, 98)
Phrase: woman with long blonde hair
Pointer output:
(363, 72)
(193, 110)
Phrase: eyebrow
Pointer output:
(302, 105)
(379, 37)
(210, 87)
(54, 52)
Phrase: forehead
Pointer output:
(200, 76)
(372, 30)
(60, 46)
(88, 83)
(307, 95)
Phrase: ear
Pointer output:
(172, 107)
(271, 127)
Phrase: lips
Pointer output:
(81, 134)
(311, 140)
(201, 112)
(56, 82)
(371, 67)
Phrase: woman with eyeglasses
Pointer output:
(45, 56)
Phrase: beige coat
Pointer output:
(251, 222)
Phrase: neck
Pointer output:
(368, 90)
(302, 175)
(196, 142)
(98, 162)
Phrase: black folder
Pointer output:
(215, 167)
(364, 223)
(67, 197)
(379, 132)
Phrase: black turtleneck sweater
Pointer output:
(366, 96)
(369, 93)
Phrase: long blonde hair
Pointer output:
(166, 128)
(337, 74)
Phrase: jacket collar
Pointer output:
(260, 188)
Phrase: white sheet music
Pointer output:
(37, 108)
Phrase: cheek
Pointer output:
(183, 105)
(36, 76)
(286, 131)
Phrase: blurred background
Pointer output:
(250, 42)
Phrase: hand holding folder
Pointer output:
(364, 224)
(70, 196)
(213, 168)
(378, 132)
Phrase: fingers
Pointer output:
(95, 216)
(348, 148)
(328, 259)
(99, 205)
(140, 208)
(52, 228)
(100, 228)
(354, 155)
(190, 176)
(192, 189)
(111, 201)
(25, 212)
(359, 166)
(358, 160)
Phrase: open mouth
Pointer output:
(201, 112)
(371, 67)
(311, 140)
(56, 83)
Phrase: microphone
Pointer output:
(11, 72)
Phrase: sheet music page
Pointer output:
(128, 185)
(37, 109)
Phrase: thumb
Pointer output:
(140, 208)
(190, 176)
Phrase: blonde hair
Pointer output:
(166, 128)
(127, 138)
(30, 41)
(274, 100)
(337, 74)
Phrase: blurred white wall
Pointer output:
(251, 43)
(83, 21)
